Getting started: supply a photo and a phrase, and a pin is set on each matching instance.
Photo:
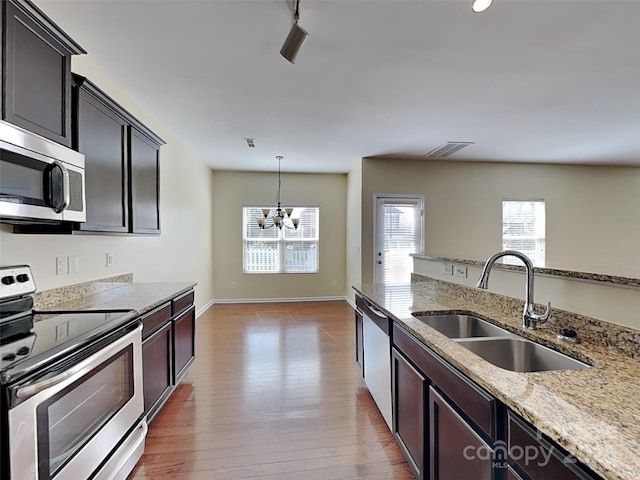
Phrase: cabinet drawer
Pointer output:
(155, 318)
(181, 303)
(476, 404)
(540, 459)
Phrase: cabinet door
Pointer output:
(409, 391)
(156, 369)
(537, 457)
(37, 74)
(144, 160)
(184, 329)
(101, 136)
(455, 450)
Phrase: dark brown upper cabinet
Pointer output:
(101, 134)
(122, 164)
(144, 166)
(36, 71)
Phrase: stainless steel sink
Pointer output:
(520, 355)
(461, 326)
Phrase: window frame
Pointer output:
(281, 241)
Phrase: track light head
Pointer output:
(294, 40)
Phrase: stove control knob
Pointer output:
(23, 351)
(8, 280)
(23, 277)
(9, 357)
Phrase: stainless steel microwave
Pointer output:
(40, 180)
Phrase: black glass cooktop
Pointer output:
(37, 340)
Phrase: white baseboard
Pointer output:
(279, 300)
(350, 302)
(206, 307)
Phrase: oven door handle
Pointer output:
(84, 366)
(31, 390)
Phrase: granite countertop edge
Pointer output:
(140, 296)
(592, 413)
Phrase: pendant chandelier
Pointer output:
(281, 215)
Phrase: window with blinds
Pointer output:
(281, 251)
(523, 229)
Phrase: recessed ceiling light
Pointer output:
(480, 5)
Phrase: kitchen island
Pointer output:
(592, 413)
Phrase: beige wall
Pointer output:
(609, 303)
(354, 229)
(592, 212)
(182, 253)
(233, 190)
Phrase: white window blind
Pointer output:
(401, 237)
(523, 229)
(281, 251)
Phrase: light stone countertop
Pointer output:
(142, 297)
(594, 413)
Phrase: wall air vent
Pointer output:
(250, 142)
(447, 149)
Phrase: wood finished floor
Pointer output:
(274, 393)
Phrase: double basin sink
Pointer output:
(498, 346)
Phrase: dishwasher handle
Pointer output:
(377, 317)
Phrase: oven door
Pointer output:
(66, 425)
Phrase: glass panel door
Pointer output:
(398, 235)
(69, 419)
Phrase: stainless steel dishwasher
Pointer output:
(377, 358)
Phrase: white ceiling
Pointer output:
(527, 80)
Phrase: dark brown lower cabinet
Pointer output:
(539, 459)
(156, 369)
(455, 449)
(168, 348)
(184, 326)
(409, 393)
(512, 475)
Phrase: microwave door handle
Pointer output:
(54, 171)
(66, 195)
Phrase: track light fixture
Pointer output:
(480, 5)
(296, 36)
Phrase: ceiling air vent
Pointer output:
(447, 149)
(250, 142)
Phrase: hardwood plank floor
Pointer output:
(274, 393)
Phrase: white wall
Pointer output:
(183, 252)
(592, 212)
(233, 190)
(354, 229)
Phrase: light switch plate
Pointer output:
(460, 271)
(74, 264)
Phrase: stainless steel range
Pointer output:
(71, 388)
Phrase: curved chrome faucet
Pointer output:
(529, 316)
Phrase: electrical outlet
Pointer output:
(62, 267)
(74, 264)
(111, 259)
(447, 269)
(334, 283)
(61, 331)
(461, 271)
(233, 284)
